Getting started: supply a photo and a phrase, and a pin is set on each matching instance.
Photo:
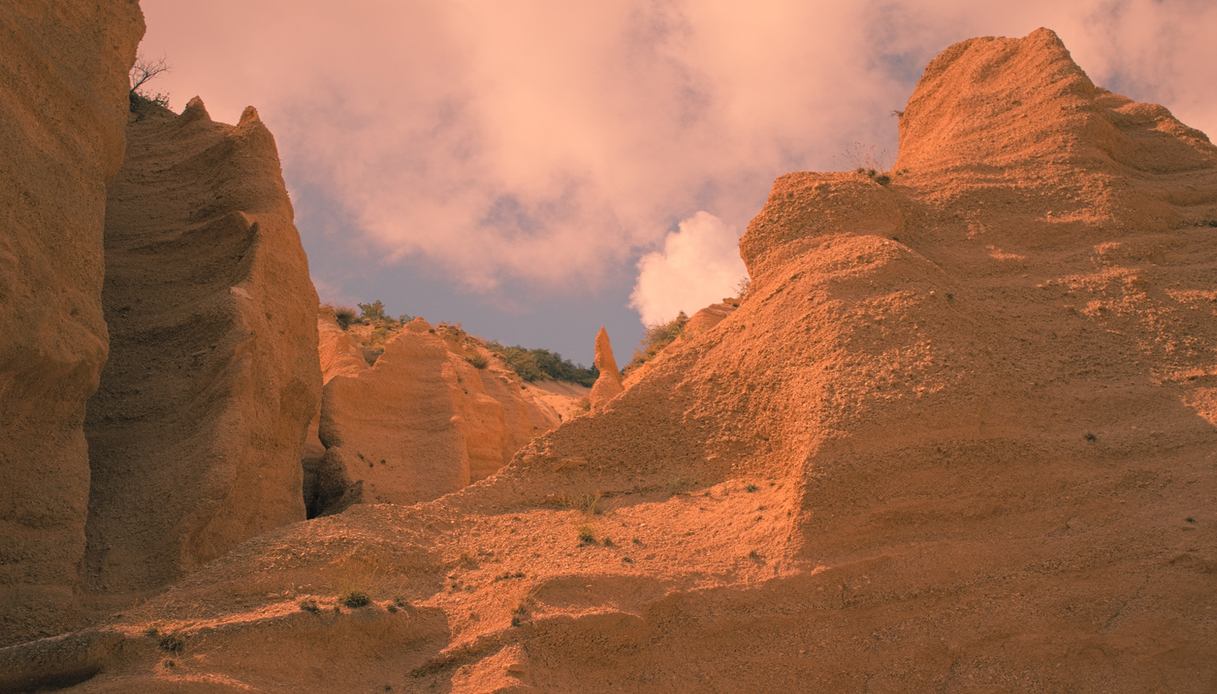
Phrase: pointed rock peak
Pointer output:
(195, 110)
(608, 384)
(604, 352)
(249, 115)
(997, 102)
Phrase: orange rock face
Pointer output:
(195, 435)
(63, 106)
(608, 383)
(421, 422)
(958, 436)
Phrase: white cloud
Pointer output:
(699, 265)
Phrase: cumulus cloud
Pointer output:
(552, 143)
(698, 265)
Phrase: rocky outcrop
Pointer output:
(707, 318)
(340, 356)
(608, 383)
(433, 414)
(958, 439)
(63, 106)
(195, 435)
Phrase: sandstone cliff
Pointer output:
(340, 355)
(958, 436)
(195, 434)
(63, 106)
(435, 412)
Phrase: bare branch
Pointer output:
(140, 74)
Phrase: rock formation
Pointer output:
(708, 317)
(195, 434)
(63, 106)
(608, 383)
(340, 355)
(421, 422)
(958, 436)
(700, 322)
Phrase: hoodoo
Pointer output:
(608, 383)
(195, 434)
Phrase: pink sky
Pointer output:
(551, 145)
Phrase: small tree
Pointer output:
(142, 72)
(372, 312)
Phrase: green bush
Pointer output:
(355, 599)
(540, 364)
(656, 338)
(373, 312)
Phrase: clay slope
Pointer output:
(63, 104)
(947, 442)
(195, 435)
(435, 412)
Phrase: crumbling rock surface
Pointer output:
(421, 422)
(195, 434)
(63, 106)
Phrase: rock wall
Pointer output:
(340, 355)
(63, 106)
(195, 434)
(421, 422)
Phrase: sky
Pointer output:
(533, 170)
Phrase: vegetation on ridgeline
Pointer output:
(657, 337)
(529, 363)
(537, 364)
(142, 72)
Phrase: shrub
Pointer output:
(880, 178)
(657, 337)
(172, 643)
(540, 364)
(310, 606)
(345, 316)
(477, 361)
(741, 287)
(519, 615)
(373, 312)
(355, 599)
(586, 536)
